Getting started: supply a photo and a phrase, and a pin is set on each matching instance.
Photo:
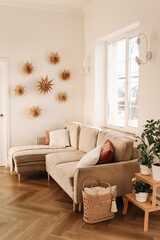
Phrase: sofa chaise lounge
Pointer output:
(60, 163)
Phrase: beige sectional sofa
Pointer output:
(60, 164)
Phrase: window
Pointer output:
(122, 83)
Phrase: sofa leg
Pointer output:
(80, 207)
(74, 206)
(49, 178)
(19, 177)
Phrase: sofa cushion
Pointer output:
(90, 159)
(63, 157)
(107, 153)
(47, 137)
(74, 128)
(34, 155)
(88, 138)
(59, 138)
(68, 169)
(64, 173)
(122, 146)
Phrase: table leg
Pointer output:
(125, 205)
(149, 197)
(146, 219)
(154, 196)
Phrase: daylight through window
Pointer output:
(122, 83)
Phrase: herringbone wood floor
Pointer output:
(37, 210)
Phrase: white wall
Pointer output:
(110, 16)
(30, 35)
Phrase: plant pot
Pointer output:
(141, 197)
(145, 170)
(156, 171)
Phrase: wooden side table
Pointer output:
(148, 206)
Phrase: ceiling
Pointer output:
(74, 6)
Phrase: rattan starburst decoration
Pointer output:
(19, 90)
(66, 74)
(54, 58)
(28, 68)
(62, 96)
(35, 111)
(44, 85)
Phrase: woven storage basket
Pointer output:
(97, 208)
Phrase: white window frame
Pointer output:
(127, 35)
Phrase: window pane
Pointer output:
(133, 82)
(116, 83)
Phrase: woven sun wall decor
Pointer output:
(28, 68)
(19, 90)
(62, 96)
(44, 85)
(66, 74)
(35, 111)
(54, 58)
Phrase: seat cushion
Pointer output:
(122, 146)
(34, 155)
(63, 157)
(63, 174)
(66, 172)
(88, 138)
(74, 128)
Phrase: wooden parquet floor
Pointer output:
(36, 209)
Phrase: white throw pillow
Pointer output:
(59, 138)
(90, 159)
(99, 190)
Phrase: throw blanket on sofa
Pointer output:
(43, 149)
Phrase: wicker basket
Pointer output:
(97, 208)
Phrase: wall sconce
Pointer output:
(143, 41)
(84, 66)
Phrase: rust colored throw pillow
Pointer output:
(47, 138)
(107, 153)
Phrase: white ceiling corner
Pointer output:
(70, 6)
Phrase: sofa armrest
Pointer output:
(117, 173)
(40, 140)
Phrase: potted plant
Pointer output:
(141, 190)
(149, 146)
(152, 133)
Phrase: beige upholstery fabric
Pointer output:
(61, 163)
(88, 138)
(67, 169)
(74, 128)
(63, 157)
(135, 153)
(117, 173)
(40, 140)
(30, 168)
(122, 146)
(34, 157)
(27, 155)
(63, 174)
